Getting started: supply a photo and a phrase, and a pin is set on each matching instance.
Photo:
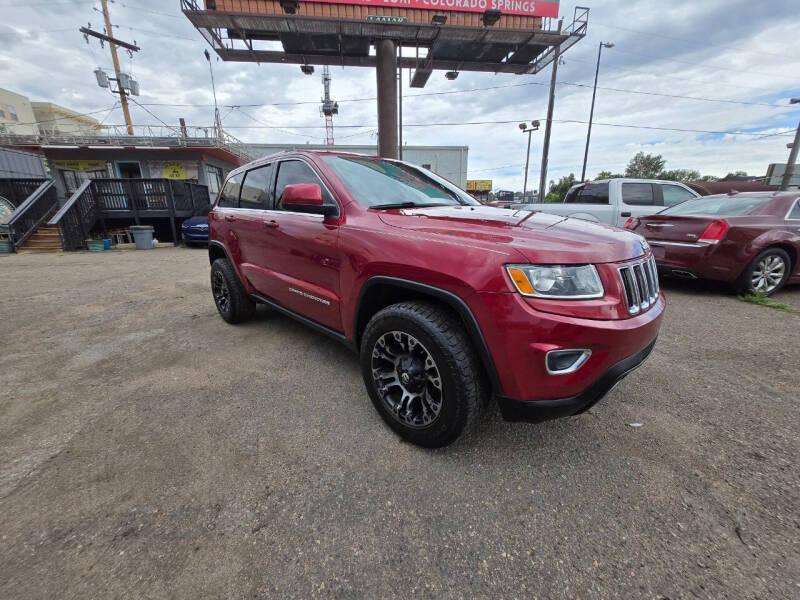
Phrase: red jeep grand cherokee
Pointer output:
(445, 300)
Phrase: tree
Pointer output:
(608, 175)
(645, 166)
(682, 175)
(560, 189)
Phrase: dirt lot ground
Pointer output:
(149, 450)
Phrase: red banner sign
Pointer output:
(526, 8)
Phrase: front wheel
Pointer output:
(421, 372)
(233, 303)
(767, 272)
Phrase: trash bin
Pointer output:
(143, 236)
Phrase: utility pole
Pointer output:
(123, 98)
(550, 105)
(789, 172)
(591, 112)
(524, 128)
(217, 121)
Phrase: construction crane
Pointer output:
(329, 107)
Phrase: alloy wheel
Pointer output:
(222, 296)
(407, 379)
(768, 274)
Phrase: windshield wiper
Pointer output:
(406, 205)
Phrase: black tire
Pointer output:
(233, 303)
(745, 284)
(438, 334)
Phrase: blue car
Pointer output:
(194, 230)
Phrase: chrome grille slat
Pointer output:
(641, 285)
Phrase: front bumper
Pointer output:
(544, 410)
(194, 236)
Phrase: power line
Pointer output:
(677, 39)
(95, 112)
(515, 121)
(488, 88)
(695, 63)
(152, 12)
(651, 73)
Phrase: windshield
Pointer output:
(375, 182)
(720, 206)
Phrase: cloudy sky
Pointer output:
(743, 55)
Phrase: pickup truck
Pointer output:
(614, 201)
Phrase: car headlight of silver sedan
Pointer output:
(564, 282)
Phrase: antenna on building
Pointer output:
(329, 107)
(125, 83)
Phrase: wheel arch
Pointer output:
(380, 291)
(217, 250)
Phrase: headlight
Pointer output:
(557, 281)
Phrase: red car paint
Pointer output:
(318, 268)
(734, 241)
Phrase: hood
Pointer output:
(192, 221)
(539, 237)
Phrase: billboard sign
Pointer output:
(479, 185)
(525, 8)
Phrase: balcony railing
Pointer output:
(108, 199)
(31, 213)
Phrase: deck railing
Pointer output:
(31, 213)
(107, 199)
(16, 190)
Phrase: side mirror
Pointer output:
(306, 197)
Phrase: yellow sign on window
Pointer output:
(80, 165)
(173, 170)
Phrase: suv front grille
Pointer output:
(640, 282)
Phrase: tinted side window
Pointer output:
(255, 189)
(573, 196)
(674, 194)
(296, 171)
(594, 193)
(638, 194)
(795, 213)
(229, 198)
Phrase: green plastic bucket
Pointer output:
(95, 245)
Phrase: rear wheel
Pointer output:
(767, 272)
(233, 303)
(421, 372)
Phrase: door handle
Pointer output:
(230, 218)
(625, 214)
(271, 224)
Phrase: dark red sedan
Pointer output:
(751, 240)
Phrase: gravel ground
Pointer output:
(149, 450)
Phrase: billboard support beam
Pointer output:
(386, 74)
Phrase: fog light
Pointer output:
(563, 362)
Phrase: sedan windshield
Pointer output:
(379, 183)
(719, 206)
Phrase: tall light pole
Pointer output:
(217, 121)
(789, 172)
(591, 112)
(529, 130)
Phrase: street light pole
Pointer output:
(789, 172)
(591, 112)
(524, 128)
